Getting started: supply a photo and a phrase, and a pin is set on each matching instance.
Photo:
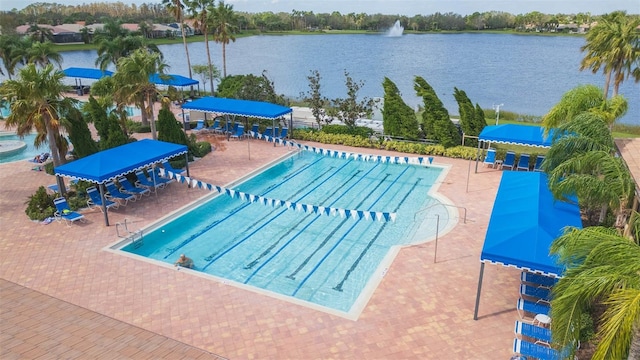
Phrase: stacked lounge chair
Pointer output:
(95, 200)
(128, 187)
(116, 194)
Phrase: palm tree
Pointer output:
(132, 79)
(176, 8)
(602, 270)
(614, 46)
(111, 50)
(224, 22)
(43, 53)
(200, 11)
(12, 51)
(581, 162)
(36, 101)
(40, 33)
(585, 98)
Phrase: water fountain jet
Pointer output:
(396, 30)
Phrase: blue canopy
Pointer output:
(109, 164)
(173, 80)
(524, 222)
(86, 73)
(256, 109)
(517, 135)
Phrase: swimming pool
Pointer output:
(28, 153)
(329, 262)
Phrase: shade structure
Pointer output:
(173, 80)
(110, 164)
(517, 135)
(86, 73)
(256, 109)
(525, 220)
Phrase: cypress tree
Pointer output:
(398, 118)
(436, 121)
(480, 119)
(169, 129)
(80, 136)
(467, 116)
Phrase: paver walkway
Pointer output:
(421, 309)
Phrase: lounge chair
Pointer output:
(64, 212)
(155, 176)
(536, 293)
(116, 194)
(199, 125)
(283, 134)
(539, 160)
(276, 132)
(95, 200)
(540, 334)
(167, 166)
(212, 128)
(525, 307)
(143, 180)
(537, 279)
(490, 158)
(128, 187)
(268, 132)
(523, 162)
(535, 351)
(509, 160)
(239, 133)
(255, 130)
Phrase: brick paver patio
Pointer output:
(108, 305)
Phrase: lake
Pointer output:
(528, 74)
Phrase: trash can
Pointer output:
(79, 91)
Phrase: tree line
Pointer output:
(296, 20)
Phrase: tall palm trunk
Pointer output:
(186, 50)
(607, 83)
(224, 60)
(206, 42)
(151, 116)
(634, 349)
(55, 154)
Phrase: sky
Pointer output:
(400, 7)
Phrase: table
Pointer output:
(497, 164)
(542, 320)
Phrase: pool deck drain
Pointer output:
(421, 309)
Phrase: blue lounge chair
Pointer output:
(525, 307)
(155, 176)
(537, 293)
(283, 134)
(523, 162)
(128, 187)
(64, 212)
(490, 158)
(276, 132)
(239, 134)
(509, 160)
(96, 201)
(255, 130)
(213, 128)
(535, 351)
(167, 166)
(540, 334)
(537, 279)
(143, 180)
(268, 132)
(116, 194)
(199, 125)
(539, 160)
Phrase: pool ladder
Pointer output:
(135, 236)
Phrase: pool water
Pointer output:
(28, 153)
(310, 258)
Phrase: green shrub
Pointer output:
(362, 131)
(178, 162)
(201, 149)
(144, 129)
(48, 168)
(40, 205)
(134, 126)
